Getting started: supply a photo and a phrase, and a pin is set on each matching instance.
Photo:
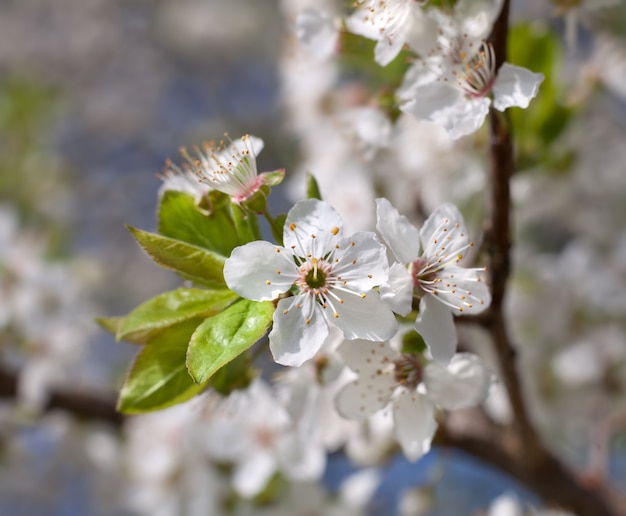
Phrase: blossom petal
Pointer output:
(398, 291)
(414, 423)
(299, 458)
(417, 75)
(360, 22)
(312, 227)
(430, 99)
(363, 397)
(361, 261)
(386, 50)
(293, 341)
(515, 86)
(260, 271)
(463, 289)
(444, 227)
(362, 317)
(247, 143)
(476, 17)
(435, 324)
(464, 382)
(387, 24)
(397, 232)
(317, 33)
(366, 357)
(251, 476)
(447, 107)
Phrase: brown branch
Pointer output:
(528, 460)
(498, 245)
(89, 405)
(549, 478)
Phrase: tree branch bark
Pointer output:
(528, 460)
(88, 405)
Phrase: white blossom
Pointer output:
(231, 168)
(182, 180)
(453, 84)
(331, 277)
(387, 377)
(240, 432)
(392, 24)
(432, 255)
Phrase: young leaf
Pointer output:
(198, 265)
(180, 219)
(158, 377)
(312, 188)
(110, 324)
(221, 338)
(171, 308)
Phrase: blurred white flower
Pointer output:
(240, 431)
(392, 24)
(387, 377)
(317, 33)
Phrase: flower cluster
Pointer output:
(454, 78)
(319, 278)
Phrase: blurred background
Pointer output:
(95, 95)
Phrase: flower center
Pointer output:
(422, 274)
(408, 371)
(315, 276)
(475, 73)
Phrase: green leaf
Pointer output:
(171, 308)
(114, 324)
(312, 188)
(413, 342)
(180, 218)
(110, 324)
(221, 338)
(158, 377)
(236, 375)
(198, 265)
(538, 48)
(273, 178)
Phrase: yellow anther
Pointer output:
(335, 230)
